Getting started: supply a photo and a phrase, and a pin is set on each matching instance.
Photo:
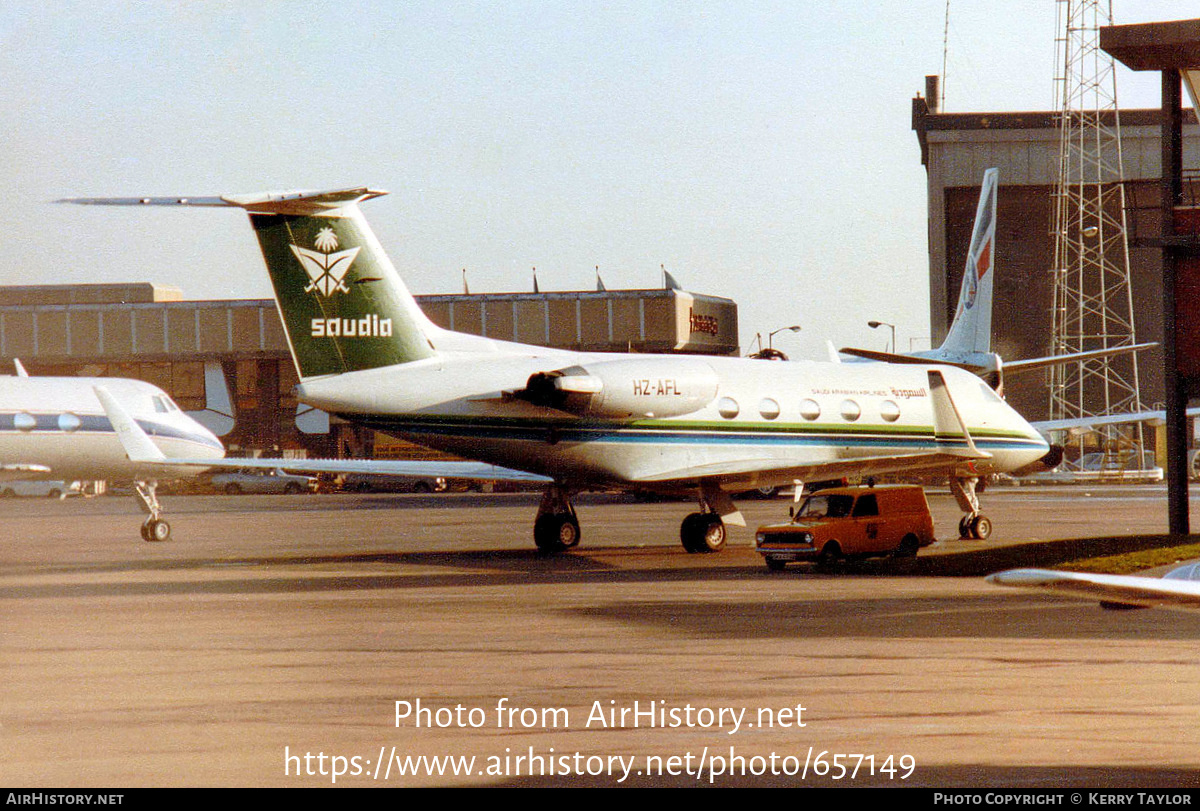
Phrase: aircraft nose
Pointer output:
(213, 448)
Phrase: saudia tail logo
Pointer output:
(326, 270)
(326, 275)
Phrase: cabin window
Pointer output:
(889, 411)
(851, 410)
(24, 422)
(768, 408)
(810, 409)
(68, 422)
(728, 408)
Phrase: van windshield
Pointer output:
(826, 507)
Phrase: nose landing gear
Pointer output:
(155, 529)
(974, 525)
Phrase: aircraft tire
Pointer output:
(702, 532)
(690, 531)
(156, 530)
(981, 527)
(713, 537)
(568, 532)
(964, 528)
(556, 532)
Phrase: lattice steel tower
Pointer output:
(1093, 298)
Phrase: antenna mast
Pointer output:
(1093, 298)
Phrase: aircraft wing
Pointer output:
(474, 471)
(916, 360)
(139, 448)
(826, 470)
(1180, 588)
(1084, 424)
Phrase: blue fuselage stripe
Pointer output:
(916, 439)
(95, 424)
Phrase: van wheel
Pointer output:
(908, 547)
(831, 555)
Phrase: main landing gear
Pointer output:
(155, 528)
(974, 525)
(702, 532)
(556, 527)
(705, 531)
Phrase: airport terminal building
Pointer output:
(227, 361)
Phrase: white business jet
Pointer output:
(366, 352)
(56, 427)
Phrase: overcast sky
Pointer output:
(757, 150)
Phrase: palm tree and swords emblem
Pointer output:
(326, 269)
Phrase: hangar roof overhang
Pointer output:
(1165, 47)
(1154, 46)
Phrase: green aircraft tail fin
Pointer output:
(343, 306)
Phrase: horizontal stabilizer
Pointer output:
(1011, 366)
(297, 203)
(914, 360)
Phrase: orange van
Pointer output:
(850, 522)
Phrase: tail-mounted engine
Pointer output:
(625, 389)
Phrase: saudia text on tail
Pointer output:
(369, 326)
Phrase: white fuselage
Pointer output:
(764, 422)
(58, 423)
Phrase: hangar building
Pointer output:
(227, 362)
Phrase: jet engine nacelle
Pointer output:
(626, 389)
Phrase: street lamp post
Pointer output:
(877, 324)
(771, 335)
